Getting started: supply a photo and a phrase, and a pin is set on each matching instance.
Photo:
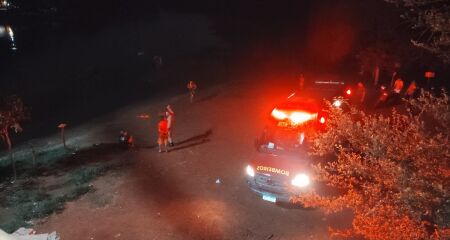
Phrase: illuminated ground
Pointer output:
(174, 195)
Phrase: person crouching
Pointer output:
(125, 139)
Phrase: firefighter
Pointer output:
(411, 90)
(398, 85)
(170, 115)
(192, 87)
(162, 133)
(396, 91)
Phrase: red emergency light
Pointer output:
(296, 117)
(430, 74)
(348, 92)
(280, 115)
(300, 117)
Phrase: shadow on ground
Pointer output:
(202, 136)
(177, 204)
(208, 97)
(192, 144)
(193, 141)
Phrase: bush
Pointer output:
(393, 170)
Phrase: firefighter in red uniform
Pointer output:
(411, 90)
(163, 133)
(397, 89)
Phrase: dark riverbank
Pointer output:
(75, 61)
(79, 76)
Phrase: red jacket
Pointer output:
(163, 126)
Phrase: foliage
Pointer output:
(31, 204)
(370, 58)
(393, 171)
(12, 112)
(432, 17)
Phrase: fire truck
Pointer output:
(281, 167)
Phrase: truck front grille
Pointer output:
(271, 183)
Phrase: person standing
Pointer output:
(411, 90)
(192, 87)
(170, 115)
(396, 90)
(162, 133)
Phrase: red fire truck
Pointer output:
(281, 167)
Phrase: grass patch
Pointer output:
(33, 204)
(25, 166)
(86, 174)
(58, 177)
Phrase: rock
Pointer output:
(27, 234)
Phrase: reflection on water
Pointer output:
(7, 31)
(11, 37)
(4, 5)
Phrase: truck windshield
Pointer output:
(282, 141)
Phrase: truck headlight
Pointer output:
(301, 180)
(250, 171)
(280, 115)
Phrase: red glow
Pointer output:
(295, 117)
(300, 117)
(331, 32)
(348, 92)
(429, 74)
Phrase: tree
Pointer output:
(392, 171)
(12, 113)
(432, 18)
(373, 61)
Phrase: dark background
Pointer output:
(76, 60)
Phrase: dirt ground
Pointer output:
(175, 195)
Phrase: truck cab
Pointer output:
(280, 169)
